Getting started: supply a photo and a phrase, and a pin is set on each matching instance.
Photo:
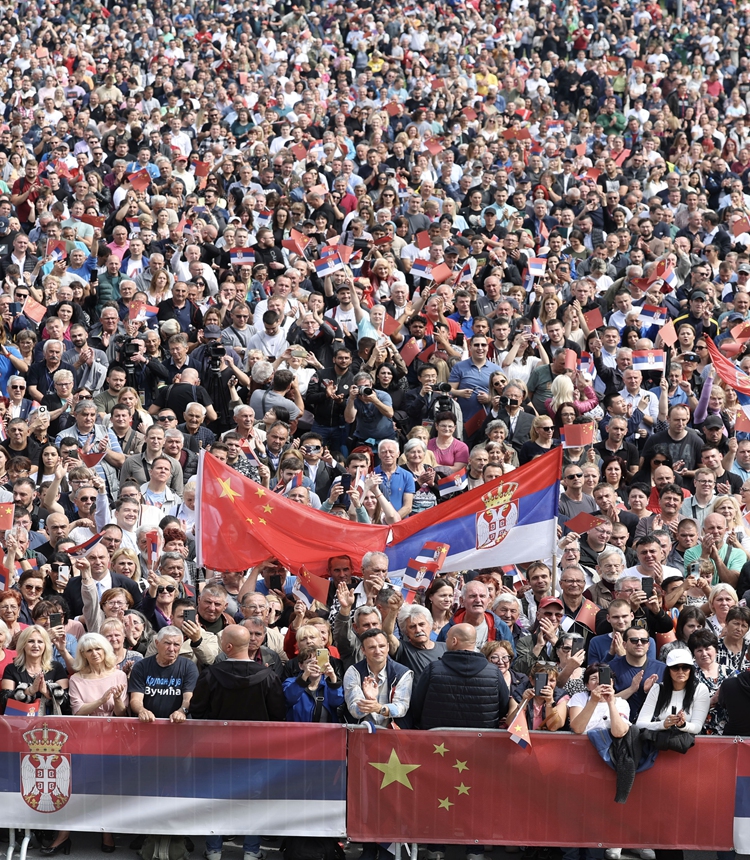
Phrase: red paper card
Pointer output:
(741, 226)
(593, 173)
(202, 168)
(668, 333)
(345, 253)
(441, 273)
(42, 52)
(469, 113)
(620, 157)
(93, 458)
(391, 109)
(594, 319)
(243, 78)
(571, 359)
(299, 151)
(384, 240)
(580, 149)
(140, 181)
(584, 522)
(423, 240)
(433, 147)
(93, 220)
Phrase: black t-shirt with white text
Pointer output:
(163, 686)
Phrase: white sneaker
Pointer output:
(212, 855)
(646, 853)
(612, 853)
(251, 855)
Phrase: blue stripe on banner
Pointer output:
(742, 798)
(158, 776)
(461, 532)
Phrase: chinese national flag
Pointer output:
(241, 523)
(587, 614)
(140, 180)
(6, 517)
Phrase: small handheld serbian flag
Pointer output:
(454, 483)
(242, 256)
(142, 311)
(665, 271)
(328, 265)
(577, 435)
(264, 218)
(14, 708)
(152, 543)
(309, 588)
(652, 315)
(519, 730)
(537, 267)
(85, 547)
(57, 249)
(420, 571)
(648, 359)
(421, 269)
(465, 274)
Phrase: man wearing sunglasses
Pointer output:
(320, 472)
(634, 674)
(573, 500)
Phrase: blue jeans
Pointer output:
(334, 437)
(250, 843)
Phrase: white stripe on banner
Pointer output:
(742, 835)
(522, 543)
(185, 815)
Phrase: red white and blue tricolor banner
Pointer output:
(648, 359)
(263, 219)
(465, 274)
(537, 267)
(328, 265)
(454, 483)
(195, 778)
(242, 256)
(420, 571)
(653, 315)
(85, 547)
(510, 520)
(421, 269)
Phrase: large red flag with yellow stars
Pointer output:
(240, 523)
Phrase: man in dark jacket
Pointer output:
(237, 688)
(461, 689)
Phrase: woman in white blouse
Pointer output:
(680, 701)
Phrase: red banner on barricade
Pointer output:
(479, 787)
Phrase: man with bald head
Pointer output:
(237, 688)
(462, 689)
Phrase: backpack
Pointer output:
(312, 848)
(164, 848)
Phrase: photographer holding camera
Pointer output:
(430, 397)
(369, 410)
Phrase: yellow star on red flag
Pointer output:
(226, 489)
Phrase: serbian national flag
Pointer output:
(152, 543)
(537, 267)
(454, 483)
(14, 708)
(586, 615)
(494, 523)
(309, 588)
(264, 218)
(242, 256)
(328, 265)
(663, 270)
(85, 547)
(586, 363)
(420, 571)
(142, 311)
(421, 269)
(528, 282)
(648, 359)
(57, 249)
(519, 730)
(465, 274)
(652, 315)
(240, 523)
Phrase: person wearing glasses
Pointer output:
(540, 440)
(573, 500)
(635, 673)
(19, 406)
(158, 600)
(540, 642)
(680, 701)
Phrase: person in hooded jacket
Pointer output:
(461, 689)
(237, 688)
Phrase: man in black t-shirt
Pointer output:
(161, 686)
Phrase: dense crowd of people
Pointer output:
(372, 256)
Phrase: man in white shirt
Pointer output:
(639, 398)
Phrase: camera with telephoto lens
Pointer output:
(504, 401)
(215, 351)
(443, 387)
(128, 348)
(366, 392)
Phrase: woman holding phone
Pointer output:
(597, 707)
(680, 701)
(548, 707)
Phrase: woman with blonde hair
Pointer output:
(564, 391)
(97, 687)
(738, 534)
(721, 599)
(141, 420)
(541, 440)
(34, 676)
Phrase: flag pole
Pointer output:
(554, 570)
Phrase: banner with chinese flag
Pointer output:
(437, 786)
(241, 523)
(6, 516)
(587, 614)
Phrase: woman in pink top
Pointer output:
(451, 455)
